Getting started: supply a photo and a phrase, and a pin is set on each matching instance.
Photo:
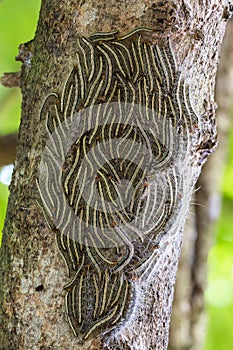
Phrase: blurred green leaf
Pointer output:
(228, 174)
(18, 21)
(10, 102)
(4, 193)
(219, 292)
(220, 335)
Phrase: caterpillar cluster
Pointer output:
(110, 175)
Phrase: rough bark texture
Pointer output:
(188, 321)
(32, 295)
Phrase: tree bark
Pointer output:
(32, 296)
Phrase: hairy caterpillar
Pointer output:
(111, 172)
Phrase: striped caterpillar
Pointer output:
(111, 171)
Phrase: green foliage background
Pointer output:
(17, 25)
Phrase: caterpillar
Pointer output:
(110, 175)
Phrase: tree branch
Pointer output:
(11, 79)
(8, 149)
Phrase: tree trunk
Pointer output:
(161, 65)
